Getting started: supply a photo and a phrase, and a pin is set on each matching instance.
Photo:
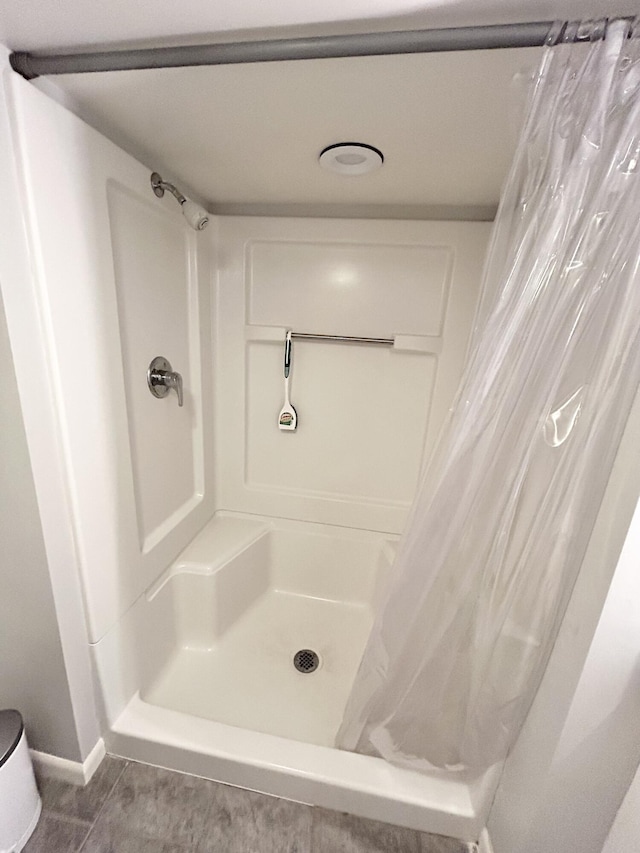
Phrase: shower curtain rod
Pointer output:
(531, 34)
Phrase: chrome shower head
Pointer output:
(196, 216)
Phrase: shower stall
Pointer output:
(231, 570)
(214, 546)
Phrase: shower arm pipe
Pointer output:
(526, 34)
(165, 185)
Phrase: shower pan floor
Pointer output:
(199, 673)
(247, 678)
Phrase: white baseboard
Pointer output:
(484, 842)
(75, 772)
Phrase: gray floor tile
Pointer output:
(245, 822)
(442, 844)
(334, 832)
(57, 835)
(111, 838)
(158, 804)
(62, 798)
(144, 809)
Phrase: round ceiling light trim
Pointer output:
(351, 158)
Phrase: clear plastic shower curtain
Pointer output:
(503, 516)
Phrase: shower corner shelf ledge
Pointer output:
(431, 345)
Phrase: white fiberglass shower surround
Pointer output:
(213, 546)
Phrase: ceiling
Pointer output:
(245, 138)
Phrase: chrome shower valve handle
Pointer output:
(174, 380)
(161, 379)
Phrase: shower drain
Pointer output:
(306, 660)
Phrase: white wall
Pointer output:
(32, 672)
(70, 732)
(580, 746)
(364, 412)
(624, 836)
(121, 279)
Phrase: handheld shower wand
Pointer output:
(196, 216)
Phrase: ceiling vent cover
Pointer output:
(351, 158)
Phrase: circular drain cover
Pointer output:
(306, 660)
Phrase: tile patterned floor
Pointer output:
(135, 808)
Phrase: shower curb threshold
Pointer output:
(317, 775)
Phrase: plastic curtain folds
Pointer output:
(503, 516)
